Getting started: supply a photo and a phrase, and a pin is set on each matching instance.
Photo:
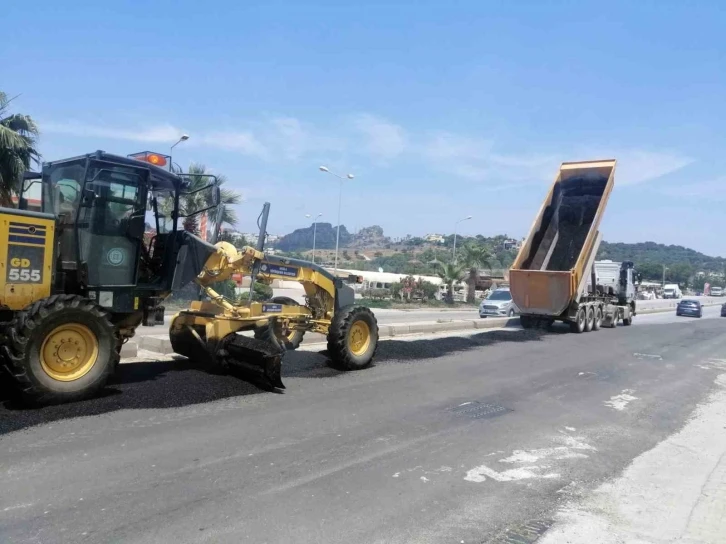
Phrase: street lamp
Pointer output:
(315, 228)
(182, 138)
(340, 200)
(456, 225)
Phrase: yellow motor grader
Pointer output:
(79, 274)
(209, 330)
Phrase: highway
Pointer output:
(387, 316)
(462, 438)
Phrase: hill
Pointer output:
(303, 238)
(414, 255)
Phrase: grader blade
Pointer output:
(262, 358)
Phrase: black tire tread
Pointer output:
(340, 357)
(18, 336)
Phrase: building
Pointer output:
(435, 238)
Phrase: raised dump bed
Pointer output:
(547, 276)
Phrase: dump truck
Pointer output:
(554, 276)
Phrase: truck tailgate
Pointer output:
(542, 292)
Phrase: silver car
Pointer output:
(499, 303)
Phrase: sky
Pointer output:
(440, 110)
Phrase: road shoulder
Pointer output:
(675, 492)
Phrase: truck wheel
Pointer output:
(291, 339)
(590, 319)
(60, 349)
(352, 338)
(526, 321)
(627, 321)
(598, 319)
(578, 326)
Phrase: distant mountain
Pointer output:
(302, 239)
(370, 237)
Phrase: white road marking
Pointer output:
(571, 448)
(482, 472)
(648, 356)
(619, 402)
(17, 507)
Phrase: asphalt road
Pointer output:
(455, 439)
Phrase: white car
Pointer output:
(499, 303)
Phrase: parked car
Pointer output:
(499, 303)
(692, 308)
(723, 309)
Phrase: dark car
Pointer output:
(723, 309)
(690, 307)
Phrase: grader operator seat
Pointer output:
(80, 278)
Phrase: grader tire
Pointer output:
(352, 338)
(185, 343)
(291, 340)
(60, 349)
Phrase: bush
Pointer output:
(376, 294)
(260, 292)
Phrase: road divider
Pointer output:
(162, 345)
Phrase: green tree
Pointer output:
(475, 257)
(198, 177)
(450, 274)
(18, 138)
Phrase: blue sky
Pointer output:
(440, 109)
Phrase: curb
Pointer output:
(162, 345)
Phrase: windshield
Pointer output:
(500, 295)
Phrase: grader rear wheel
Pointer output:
(352, 338)
(61, 349)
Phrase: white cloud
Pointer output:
(382, 139)
(152, 134)
(468, 158)
(243, 142)
(712, 190)
(475, 159)
(639, 166)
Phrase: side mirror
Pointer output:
(136, 227)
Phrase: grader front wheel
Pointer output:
(352, 338)
(62, 348)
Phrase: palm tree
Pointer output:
(198, 177)
(18, 136)
(450, 274)
(475, 257)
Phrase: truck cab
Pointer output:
(672, 290)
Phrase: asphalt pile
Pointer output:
(570, 216)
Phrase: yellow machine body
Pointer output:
(26, 257)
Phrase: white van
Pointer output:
(671, 290)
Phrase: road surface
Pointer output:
(468, 438)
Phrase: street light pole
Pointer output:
(340, 201)
(455, 226)
(182, 138)
(315, 230)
